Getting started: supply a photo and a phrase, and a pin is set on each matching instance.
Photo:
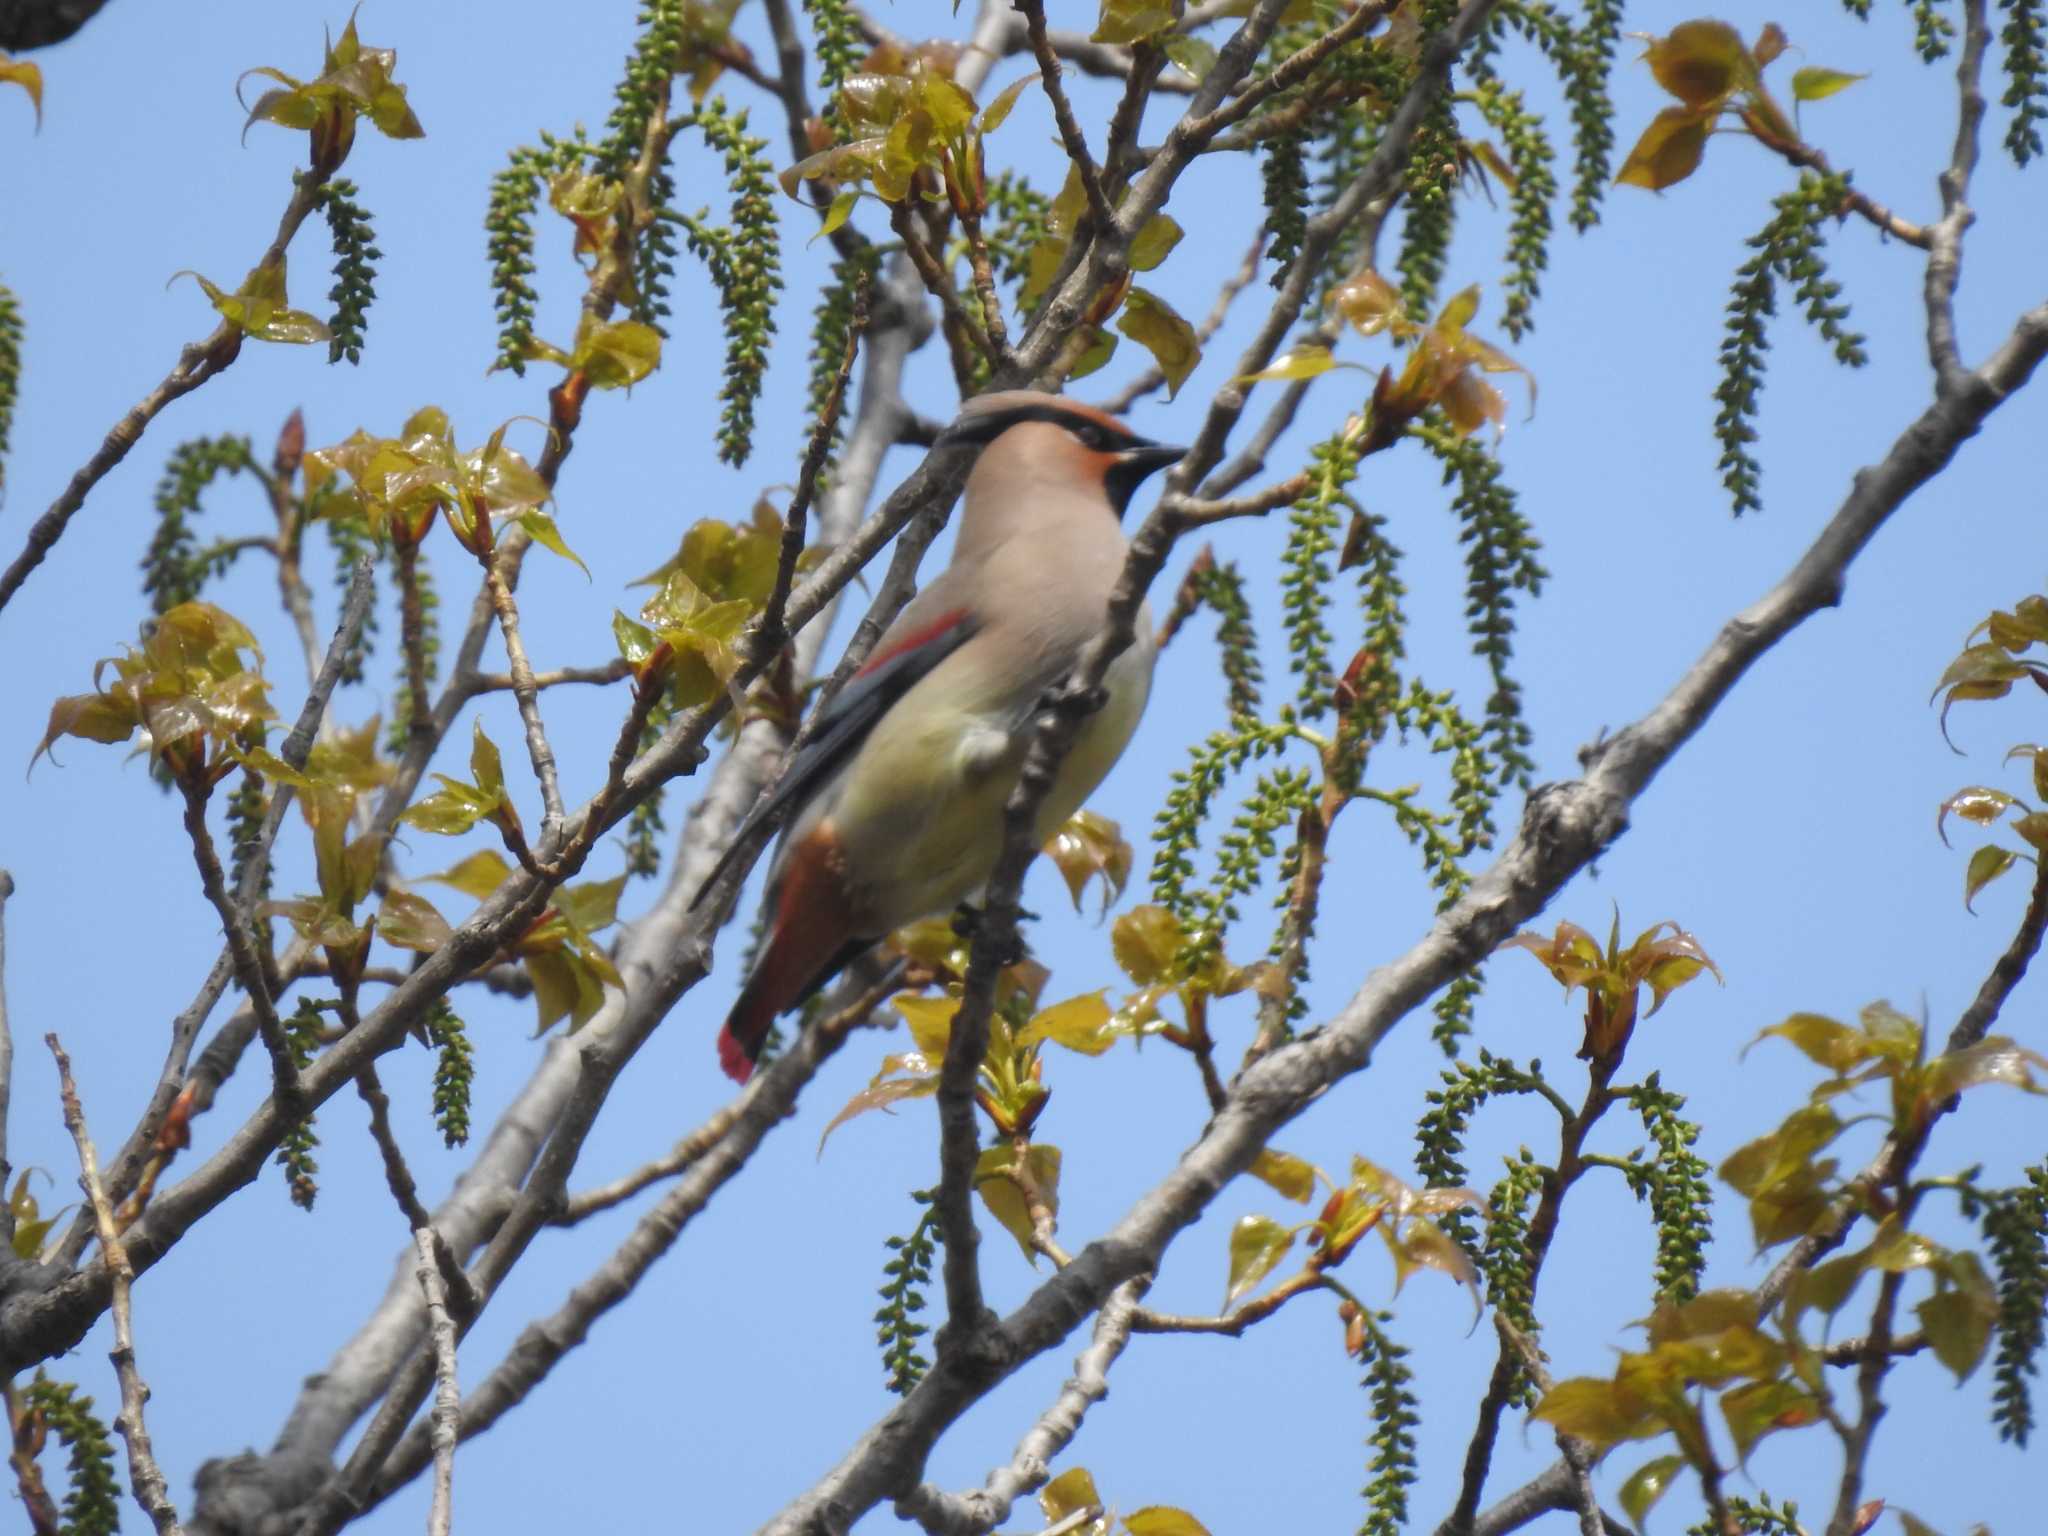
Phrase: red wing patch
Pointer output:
(915, 640)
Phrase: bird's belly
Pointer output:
(920, 811)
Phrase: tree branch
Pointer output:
(197, 363)
(1945, 236)
(976, 1514)
(146, 1477)
(447, 1418)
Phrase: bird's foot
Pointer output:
(967, 923)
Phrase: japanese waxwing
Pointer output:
(897, 800)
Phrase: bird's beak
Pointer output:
(1147, 458)
(1131, 466)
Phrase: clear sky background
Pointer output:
(1795, 836)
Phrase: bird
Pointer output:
(895, 803)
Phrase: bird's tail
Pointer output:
(747, 1026)
(807, 942)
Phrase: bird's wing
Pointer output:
(911, 648)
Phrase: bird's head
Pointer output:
(1048, 436)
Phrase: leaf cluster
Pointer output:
(355, 82)
(92, 1501)
(1789, 248)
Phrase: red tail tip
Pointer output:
(734, 1057)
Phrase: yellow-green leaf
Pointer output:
(1986, 865)
(1701, 62)
(1646, 1485)
(1158, 327)
(1154, 242)
(1602, 1412)
(1293, 1177)
(1145, 941)
(884, 1091)
(479, 875)
(930, 1020)
(995, 1180)
(1669, 150)
(1958, 1326)
(1132, 21)
(1163, 1520)
(486, 766)
(839, 212)
(994, 114)
(411, 922)
(549, 537)
(1257, 1244)
(1303, 362)
(618, 354)
(1071, 1491)
(1079, 1024)
(1816, 84)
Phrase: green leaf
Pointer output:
(479, 875)
(1294, 1177)
(1646, 1485)
(994, 114)
(884, 1090)
(840, 211)
(1669, 150)
(1602, 1412)
(1158, 327)
(1101, 348)
(995, 1181)
(1195, 56)
(617, 354)
(1896, 1250)
(549, 537)
(1755, 1410)
(1986, 865)
(411, 922)
(1958, 1326)
(1257, 1244)
(1304, 362)
(1994, 1059)
(1832, 1044)
(1132, 21)
(930, 1020)
(636, 640)
(450, 810)
(1079, 1024)
(486, 766)
(1145, 941)
(1154, 243)
(1163, 1520)
(1816, 84)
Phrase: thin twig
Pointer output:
(1071, 136)
(538, 749)
(977, 1513)
(446, 1420)
(732, 1136)
(1945, 238)
(678, 1159)
(145, 1476)
(197, 363)
(501, 682)
(249, 971)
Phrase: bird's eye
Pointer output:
(1093, 435)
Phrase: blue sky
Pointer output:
(1794, 836)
